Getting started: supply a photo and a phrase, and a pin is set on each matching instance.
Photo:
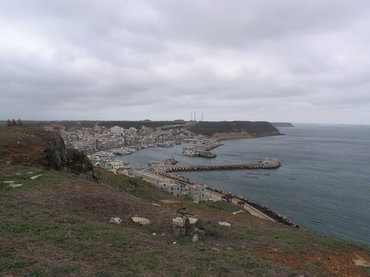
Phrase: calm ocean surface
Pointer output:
(323, 184)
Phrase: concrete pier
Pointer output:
(268, 163)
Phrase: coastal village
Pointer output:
(104, 145)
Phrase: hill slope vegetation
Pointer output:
(58, 225)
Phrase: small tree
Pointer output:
(13, 122)
(8, 123)
(19, 122)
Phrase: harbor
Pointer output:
(179, 185)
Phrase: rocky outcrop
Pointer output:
(26, 146)
(38, 147)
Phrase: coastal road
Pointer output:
(216, 196)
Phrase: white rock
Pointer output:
(8, 182)
(195, 238)
(224, 223)
(193, 220)
(178, 221)
(361, 262)
(140, 220)
(155, 204)
(15, 185)
(237, 212)
(35, 177)
(115, 220)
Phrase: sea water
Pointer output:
(323, 184)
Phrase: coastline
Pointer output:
(215, 194)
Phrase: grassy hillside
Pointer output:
(58, 225)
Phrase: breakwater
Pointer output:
(268, 163)
(265, 210)
(276, 216)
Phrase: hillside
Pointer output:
(57, 224)
(234, 129)
(26, 145)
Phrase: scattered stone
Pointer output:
(224, 223)
(237, 212)
(154, 234)
(15, 185)
(178, 221)
(8, 182)
(18, 174)
(361, 262)
(195, 238)
(215, 249)
(193, 220)
(140, 220)
(115, 220)
(174, 242)
(35, 177)
(155, 204)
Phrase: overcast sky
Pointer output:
(276, 60)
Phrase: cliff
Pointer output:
(36, 147)
(234, 129)
(27, 145)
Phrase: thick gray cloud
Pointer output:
(285, 60)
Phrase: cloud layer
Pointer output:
(299, 61)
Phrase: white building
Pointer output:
(172, 188)
(116, 130)
(197, 192)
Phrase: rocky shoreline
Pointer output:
(265, 210)
(276, 216)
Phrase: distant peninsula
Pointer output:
(282, 124)
(234, 129)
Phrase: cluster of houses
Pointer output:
(102, 144)
(100, 138)
(196, 191)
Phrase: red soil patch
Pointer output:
(338, 263)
